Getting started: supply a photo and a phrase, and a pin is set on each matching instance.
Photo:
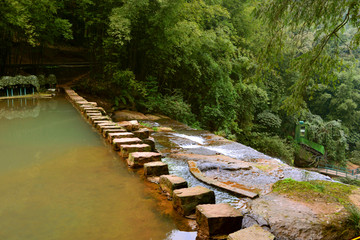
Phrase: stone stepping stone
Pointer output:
(217, 219)
(185, 200)
(106, 131)
(120, 134)
(99, 119)
(150, 141)
(138, 159)
(118, 142)
(142, 133)
(253, 232)
(169, 183)
(102, 127)
(125, 150)
(155, 169)
(130, 125)
(104, 124)
(93, 114)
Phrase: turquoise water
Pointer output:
(58, 180)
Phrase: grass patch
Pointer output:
(354, 218)
(320, 190)
(350, 181)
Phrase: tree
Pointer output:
(296, 19)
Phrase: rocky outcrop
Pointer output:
(290, 219)
(253, 232)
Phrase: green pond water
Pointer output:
(59, 180)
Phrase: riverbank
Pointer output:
(219, 160)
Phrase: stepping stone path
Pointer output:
(138, 148)
(185, 200)
(217, 219)
(125, 150)
(111, 135)
(155, 169)
(118, 142)
(138, 159)
(169, 183)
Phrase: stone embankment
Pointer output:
(137, 148)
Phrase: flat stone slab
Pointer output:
(93, 114)
(101, 118)
(106, 131)
(125, 150)
(238, 189)
(118, 142)
(169, 183)
(156, 169)
(102, 127)
(120, 134)
(253, 232)
(142, 133)
(217, 219)
(185, 200)
(150, 141)
(138, 159)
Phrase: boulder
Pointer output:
(253, 232)
(138, 159)
(217, 219)
(142, 133)
(169, 183)
(155, 169)
(185, 200)
(125, 150)
(126, 115)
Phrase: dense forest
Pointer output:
(246, 69)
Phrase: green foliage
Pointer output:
(311, 190)
(329, 134)
(7, 81)
(272, 145)
(295, 24)
(269, 120)
(354, 218)
(350, 181)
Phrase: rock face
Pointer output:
(169, 183)
(138, 159)
(253, 232)
(155, 169)
(125, 150)
(217, 219)
(290, 219)
(185, 200)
